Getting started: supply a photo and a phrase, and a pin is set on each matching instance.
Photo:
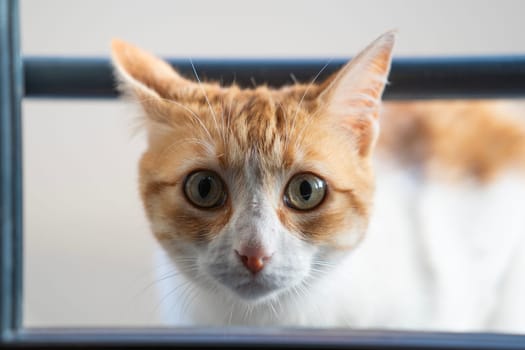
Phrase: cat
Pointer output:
(289, 207)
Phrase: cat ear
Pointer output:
(353, 95)
(146, 78)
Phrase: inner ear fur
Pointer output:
(353, 95)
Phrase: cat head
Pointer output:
(255, 192)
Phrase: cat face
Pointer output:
(255, 193)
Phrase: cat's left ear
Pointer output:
(353, 95)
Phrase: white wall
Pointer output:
(87, 245)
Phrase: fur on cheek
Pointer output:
(340, 222)
(173, 217)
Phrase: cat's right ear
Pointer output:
(353, 95)
(146, 78)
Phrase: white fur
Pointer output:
(212, 276)
(436, 257)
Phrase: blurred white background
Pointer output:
(88, 250)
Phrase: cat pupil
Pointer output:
(306, 190)
(204, 187)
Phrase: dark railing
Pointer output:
(11, 85)
(469, 77)
(411, 78)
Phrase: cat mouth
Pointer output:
(255, 289)
(252, 288)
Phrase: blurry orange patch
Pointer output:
(454, 140)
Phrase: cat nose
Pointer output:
(253, 259)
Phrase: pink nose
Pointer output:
(253, 259)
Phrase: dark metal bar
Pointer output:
(11, 92)
(411, 78)
(274, 338)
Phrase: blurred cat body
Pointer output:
(419, 226)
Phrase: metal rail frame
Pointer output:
(51, 77)
(411, 78)
(11, 88)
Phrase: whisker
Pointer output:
(195, 116)
(323, 263)
(274, 311)
(288, 129)
(230, 318)
(192, 295)
(306, 92)
(316, 270)
(229, 119)
(196, 141)
(157, 280)
(186, 284)
(166, 120)
(205, 95)
(300, 135)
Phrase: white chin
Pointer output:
(255, 292)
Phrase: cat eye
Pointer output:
(305, 191)
(205, 189)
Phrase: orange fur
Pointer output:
(259, 123)
(282, 131)
(296, 129)
(455, 140)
